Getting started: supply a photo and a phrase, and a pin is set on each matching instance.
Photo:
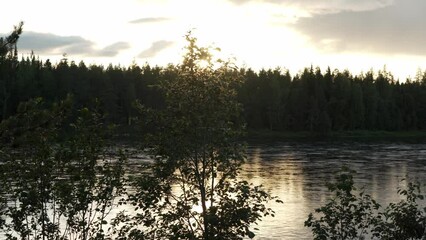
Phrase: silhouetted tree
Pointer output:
(193, 191)
(8, 70)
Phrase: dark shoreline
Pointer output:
(131, 135)
(357, 135)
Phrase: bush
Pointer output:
(350, 216)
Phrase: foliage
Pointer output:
(27, 167)
(56, 188)
(347, 216)
(193, 191)
(8, 65)
(405, 219)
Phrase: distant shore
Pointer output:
(129, 134)
(357, 135)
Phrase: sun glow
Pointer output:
(258, 34)
(199, 208)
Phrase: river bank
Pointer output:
(358, 135)
(131, 134)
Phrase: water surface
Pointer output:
(297, 174)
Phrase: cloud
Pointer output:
(149, 20)
(47, 43)
(113, 49)
(395, 29)
(324, 6)
(155, 48)
(79, 48)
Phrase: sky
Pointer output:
(358, 35)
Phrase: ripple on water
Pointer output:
(297, 173)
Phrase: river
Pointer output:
(298, 172)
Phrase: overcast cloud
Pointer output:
(47, 43)
(113, 49)
(149, 20)
(155, 48)
(325, 6)
(394, 29)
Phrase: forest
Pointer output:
(311, 100)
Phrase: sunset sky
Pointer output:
(358, 35)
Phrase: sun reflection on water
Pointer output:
(298, 173)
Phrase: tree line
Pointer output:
(311, 100)
(334, 100)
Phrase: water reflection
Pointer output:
(297, 173)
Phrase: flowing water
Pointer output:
(297, 173)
